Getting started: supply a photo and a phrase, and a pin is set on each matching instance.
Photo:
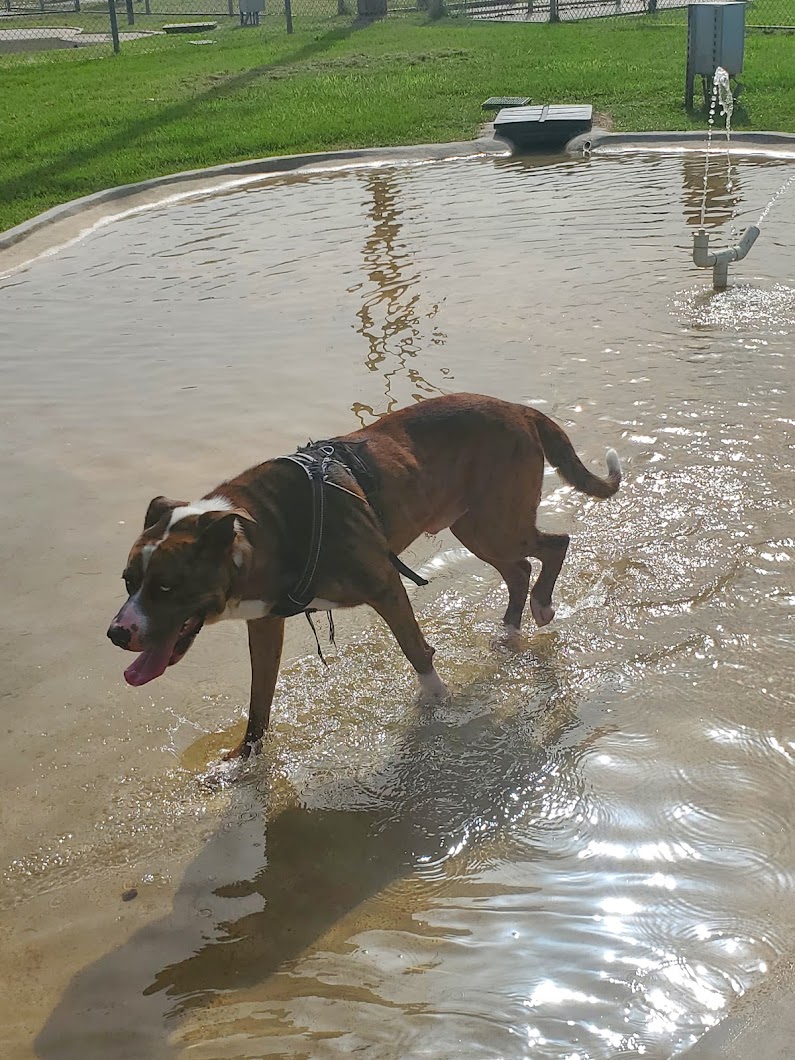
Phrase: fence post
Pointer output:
(130, 12)
(230, 5)
(553, 11)
(147, 7)
(288, 15)
(114, 26)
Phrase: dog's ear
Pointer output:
(158, 507)
(217, 529)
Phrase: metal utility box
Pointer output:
(250, 11)
(716, 37)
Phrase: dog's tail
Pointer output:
(561, 455)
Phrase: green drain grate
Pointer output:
(498, 102)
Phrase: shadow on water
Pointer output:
(262, 890)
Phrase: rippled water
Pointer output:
(587, 853)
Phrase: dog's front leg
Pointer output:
(265, 640)
(395, 609)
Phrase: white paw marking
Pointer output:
(433, 686)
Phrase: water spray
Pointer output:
(703, 257)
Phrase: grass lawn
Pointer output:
(72, 123)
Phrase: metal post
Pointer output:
(147, 7)
(288, 15)
(130, 12)
(553, 11)
(690, 76)
(114, 26)
(231, 8)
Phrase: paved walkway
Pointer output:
(25, 37)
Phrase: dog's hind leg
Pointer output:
(507, 556)
(516, 576)
(551, 550)
(394, 607)
(265, 640)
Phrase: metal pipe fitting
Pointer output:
(718, 260)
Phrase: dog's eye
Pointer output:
(128, 583)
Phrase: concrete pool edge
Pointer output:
(743, 143)
(760, 1023)
(61, 225)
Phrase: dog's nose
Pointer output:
(120, 636)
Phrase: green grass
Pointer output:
(70, 125)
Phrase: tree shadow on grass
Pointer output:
(126, 136)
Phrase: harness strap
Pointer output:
(301, 595)
(407, 572)
(314, 460)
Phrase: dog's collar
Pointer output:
(315, 459)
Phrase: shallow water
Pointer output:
(585, 854)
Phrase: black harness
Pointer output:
(316, 460)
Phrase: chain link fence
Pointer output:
(771, 15)
(75, 26)
(82, 27)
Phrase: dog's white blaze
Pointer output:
(432, 685)
(246, 610)
(207, 504)
(132, 614)
(146, 553)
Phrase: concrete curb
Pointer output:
(691, 140)
(760, 1024)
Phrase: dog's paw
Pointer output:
(432, 687)
(509, 638)
(222, 773)
(243, 750)
(542, 614)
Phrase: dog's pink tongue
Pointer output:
(151, 663)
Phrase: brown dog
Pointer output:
(323, 528)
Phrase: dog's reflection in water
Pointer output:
(262, 891)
